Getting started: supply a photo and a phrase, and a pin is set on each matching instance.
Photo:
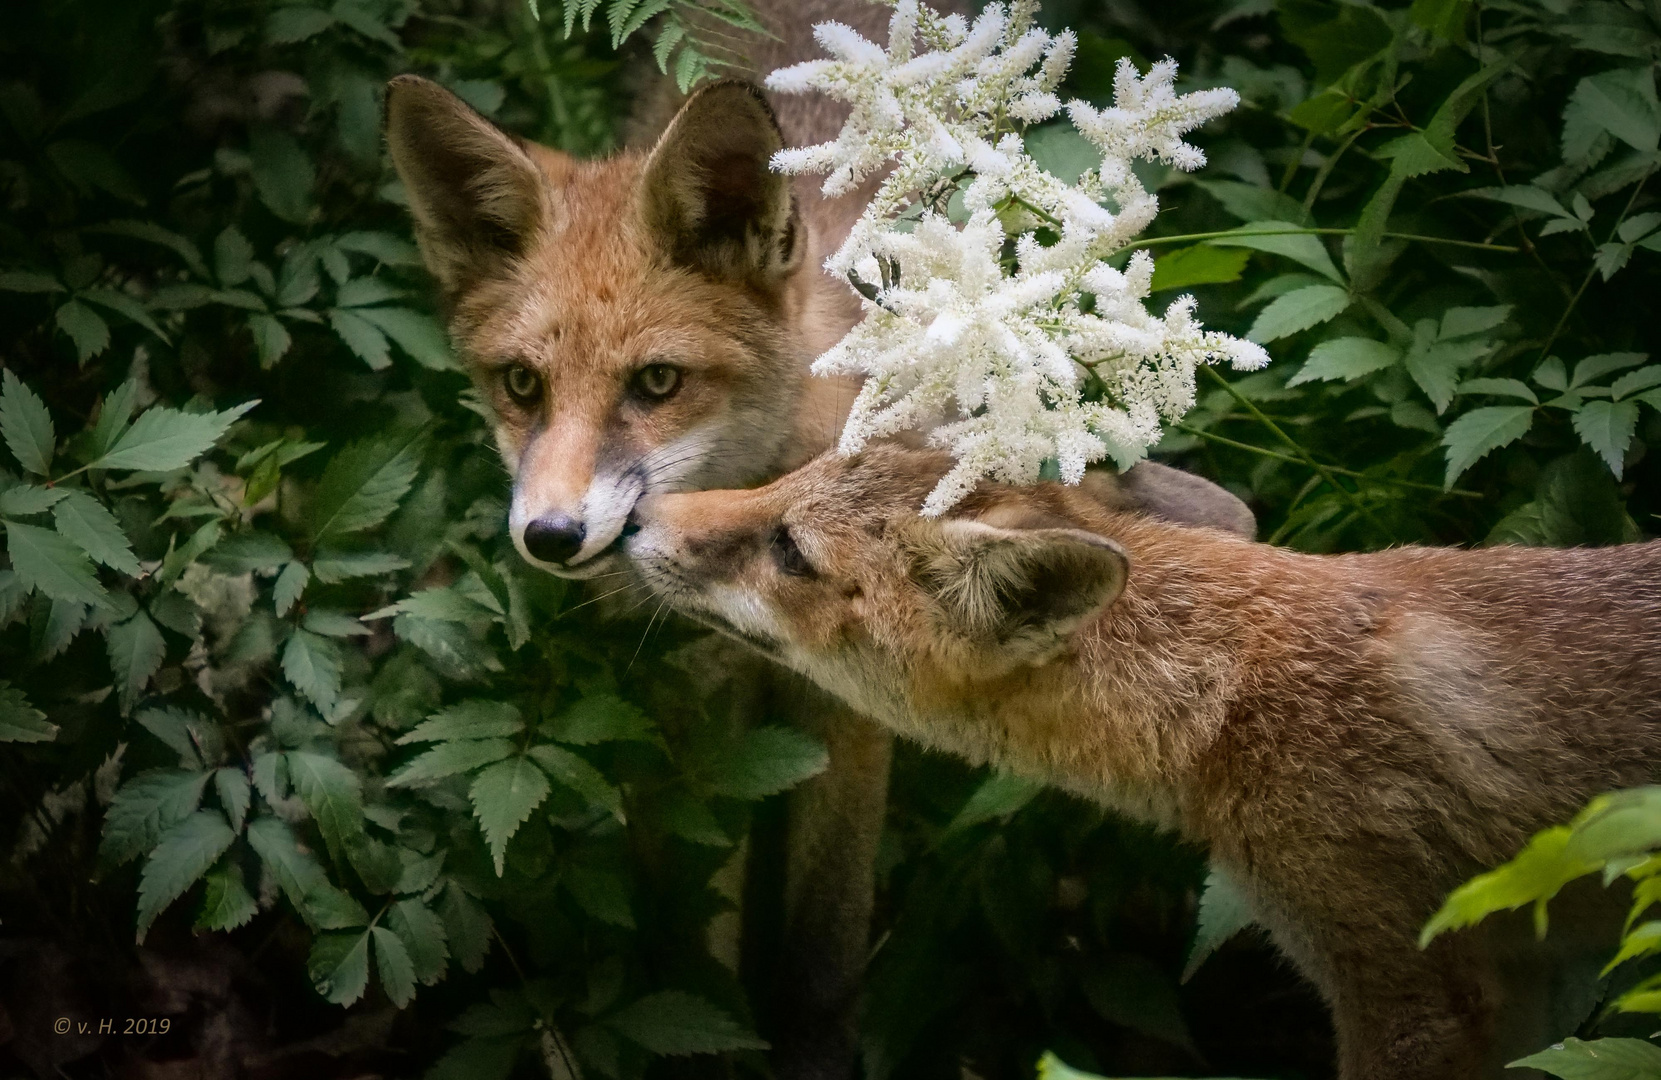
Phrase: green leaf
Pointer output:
(1538, 872)
(422, 933)
(1132, 991)
(226, 903)
(364, 482)
(442, 603)
(1345, 358)
(1287, 240)
(150, 232)
(1621, 102)
(503, 796)
(182, 855)
(1444, 18)
(600, 893)
(339, 966)
(999, 795)
(384, 247)
(283, 173)
(1481, 431)
(604, 718)
(393, 962)
(113, 413)
(363, 337)
(333, 796)
(1598, 1059)
(673, 1022)
(450, 758)
(1201, 264)
(302, 877)
(295, 23)
(26, 425)
(83, 520)
(765, 761)
(234, 794)
(1634, 381)
(20, 721)
(478, 1059)
(27, 500)
(1607, 427)
(335, 624)
(331, 568)
(417, 334)
(85, 327)
(136, 651)
(1224, 912)
(163, 439)
(1252, 203)
(580, 776)
(45, 561)
(288, 587)
(145, 806)
(1515, 388)
(468, 720)
(271, 338)
(1336, 37)
(122, 304)
(195, 738)
(313, 664)
(26, 281)
(1596, 367)
(1298, 311)
(466, 925)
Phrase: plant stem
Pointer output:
(1223, 440)
(1614, 230)
(1189, 237)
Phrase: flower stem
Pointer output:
(1229, 233)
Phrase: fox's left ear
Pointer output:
(708, 195)
(1020, 591)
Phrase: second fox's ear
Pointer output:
(708, 196)
(476, 196)
(1021, 592)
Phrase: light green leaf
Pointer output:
(1296, 311)
(26, 500)
(339, 966)
(136, 651)
(162, 439)
(442, 603)
(1481, 431)
(1224, 912)
(1287, 240)
(450, 758)
(288, 587)
(182, 855)
(1596, 367)
(26, 425)
(20, 721)
(503, 796)
(282, 171)
(313, 664)
(45, 561)
(422, 933)
(1598, 1059)
(271, 338)
(335, 624)
(331, 568)
(1607, 427)
(364, 482)
(1201, 264)
(226, 903)
(363, 337)
(580, 776)
(113, 413)
(1345, 358)
(85, 521)
(673, 1022)
(468, 720)
(765, 761)
(85, 327)
(234, 794)
(1551, 375)
(417, 334)
(1622, 102)
(145, 806)
(999, 795)
(1634, 381)
(393, 962)
(1536, 875)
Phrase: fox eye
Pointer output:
(523, 385)
(657, 381)
(789, 557)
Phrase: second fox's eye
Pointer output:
(523, 385)
(657, 381)
(789, 557)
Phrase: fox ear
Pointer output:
(710, 199)
(475, 193)
(1172, 495)
(1020, 591)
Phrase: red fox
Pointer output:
(1350, 735)
(645, 324)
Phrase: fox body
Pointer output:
(1350, 735)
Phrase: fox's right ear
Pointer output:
(709, 196)
(475, 194)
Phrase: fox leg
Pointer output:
(1403, 1014)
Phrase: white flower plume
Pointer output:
(1006, 334)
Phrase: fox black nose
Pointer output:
(554, 537)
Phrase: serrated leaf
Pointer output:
(1287, 240)
(226, 903)
(333, 568)
(363, 337)
(26, 425)
(1607, 427)
(302, 877)
(385, 247)
(46, 562)
(1596, 367)
(577, 774)
(414, 332)
(766, 761)
(312, 663)
(250, 551)
(234, 795)
(271, 338)
(282, 171)
(145, 806)
(26, 500)
(84, 521)
(122, 304)
(363, 484)
(998, 796)
(600, 893)
(182, 855)
(333, 796)
(672, 1022)
(467, 927)
(604, 718)
(339, 966)
(20, 721)
(85, 327)
(1597, 1059)
(441, 603)
(1621, 102)
(1198, 265)
(1634, 381)
(1345, 358)
(422, 933)
(1297, 311)
(468, 720)
(187, 733)
(393, 962)
(162, 439)
(1224, 912)
(503, 797)
(450, 758)
(289, 585)
(136, 651)
(1500, 387)
(1482, 431)
(336, 624)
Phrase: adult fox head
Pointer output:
(634, 323)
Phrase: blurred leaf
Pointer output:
(673, 1022)
(999, 795)
(283, 173)
(763, 762)
(20, 721)
(1598, 1059)
(89, 332)
(604, 718)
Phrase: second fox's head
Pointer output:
(626, 320)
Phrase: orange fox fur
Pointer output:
(1350, 735)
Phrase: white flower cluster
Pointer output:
(1008, 334)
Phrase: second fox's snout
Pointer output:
(554, 537)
